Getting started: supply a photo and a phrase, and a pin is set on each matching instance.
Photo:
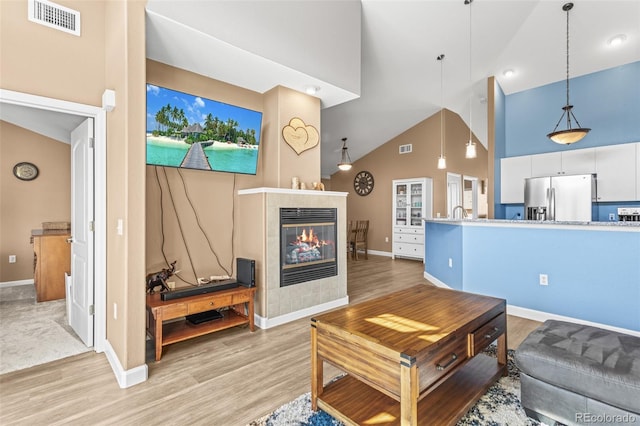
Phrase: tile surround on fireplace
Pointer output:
(275, 304)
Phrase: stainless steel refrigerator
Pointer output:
(561, 198)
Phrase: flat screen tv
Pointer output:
(193, 132)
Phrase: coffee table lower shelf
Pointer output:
(356, 403)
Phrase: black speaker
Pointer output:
(246, 272)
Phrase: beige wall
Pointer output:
(386, 164)
(24, 205)
(109, 54)
(201, 219)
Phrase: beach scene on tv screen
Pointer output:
(193, 132)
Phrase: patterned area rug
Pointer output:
(499, 406)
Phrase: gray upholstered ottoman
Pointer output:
(577, 374)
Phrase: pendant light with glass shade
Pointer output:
(570, 134)
(345, 159)
(442, 161)
(470, 151)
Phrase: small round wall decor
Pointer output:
(363, 183)
(25, 171)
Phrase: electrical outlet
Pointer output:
(612, 216)
(12, 258)
(450, 263)
(544, 279)
(115, 311)
(386, 239)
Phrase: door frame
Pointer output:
(99, 116)
(457, 179)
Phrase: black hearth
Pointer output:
(308, 244)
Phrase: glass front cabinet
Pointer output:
(412, 201)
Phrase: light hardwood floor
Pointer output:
(226, 378)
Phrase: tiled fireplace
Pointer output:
(300, 268)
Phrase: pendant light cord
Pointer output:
(470, 78)
(441, 59)
(569, 120)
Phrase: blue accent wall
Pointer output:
(445, 241)
(608, 102)
(594, 275)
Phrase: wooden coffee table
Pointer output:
(412, 357)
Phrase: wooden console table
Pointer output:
(411, 358)
(177, 331)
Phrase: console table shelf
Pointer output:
(166, 332)
(178, 331)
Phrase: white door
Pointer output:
(454, 195)
(81, 291)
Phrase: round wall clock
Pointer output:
(363, 183)
(25, 171)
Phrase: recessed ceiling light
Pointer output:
(312, 90)
(617, 40)
(508, 73)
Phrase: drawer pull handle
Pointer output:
(495, 331)
(211, 303)
(451, 361)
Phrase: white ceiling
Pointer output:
(400, 40)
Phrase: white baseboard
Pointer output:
(434, 280)
(541, 316)
(125, 378)
(15, 283)
(265, 323)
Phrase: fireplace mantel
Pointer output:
(266, 190)
(258, 237)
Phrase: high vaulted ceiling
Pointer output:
(400, 40)
(400, 78)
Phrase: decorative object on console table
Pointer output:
(300, 136)
(240, 311)
(412, 202)
(413, 376)
(52, 258)
(159, 279)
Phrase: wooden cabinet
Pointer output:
(513, 172)
(412, 201)
(51, 258)
(616, 169)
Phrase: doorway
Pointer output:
(31, 109)
(454, 196)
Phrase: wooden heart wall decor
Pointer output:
(300, 136)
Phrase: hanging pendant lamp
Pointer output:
(442, 161)
(570, 134)
(470, 151)
(345, 160)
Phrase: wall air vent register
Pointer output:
(54, 16)
(405, 149)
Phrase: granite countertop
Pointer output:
(614, 224)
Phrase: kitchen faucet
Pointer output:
(464, 212)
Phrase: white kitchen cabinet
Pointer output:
(412, 201)
(579, 161)
(616, 169)
(638, 171)
(547, 164)
(573, 162)
(513, 172)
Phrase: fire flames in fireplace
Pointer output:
(309, 246)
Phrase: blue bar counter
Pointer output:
(592, 268)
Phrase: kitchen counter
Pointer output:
(574, 271)
(628, 226)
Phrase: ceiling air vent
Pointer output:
(54, 16)
(405, 149)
